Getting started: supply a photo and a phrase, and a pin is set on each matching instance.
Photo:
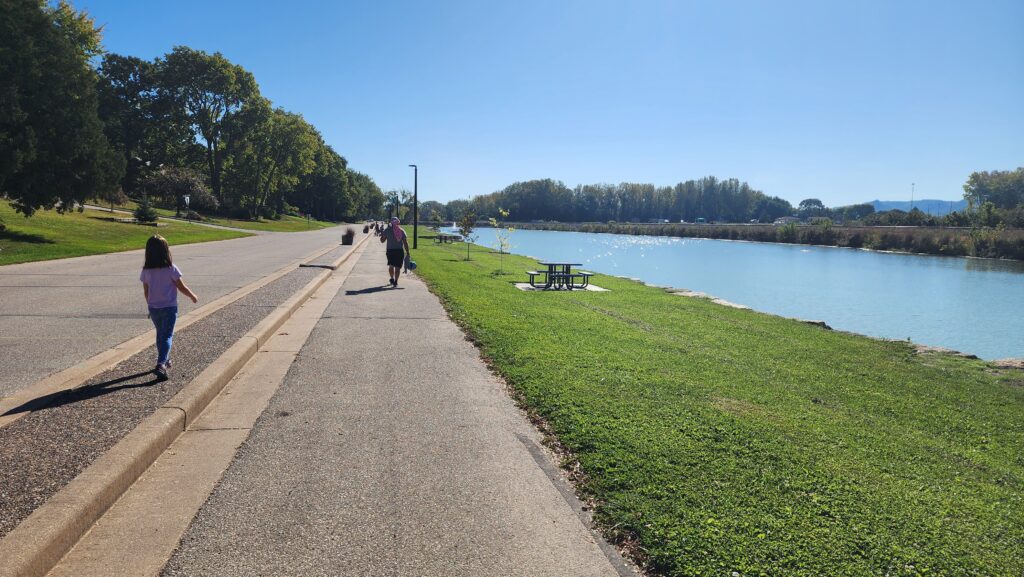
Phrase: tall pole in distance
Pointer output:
(911, 196)
(415, 203)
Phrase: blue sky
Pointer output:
(842, 101)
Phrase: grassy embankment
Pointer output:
(982, 242)
(48, 235)
(730, 442)
(285, 224)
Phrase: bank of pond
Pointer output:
(967, 304)
(722, 441)
(976, 242)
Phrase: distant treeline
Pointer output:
(709, 198)
(188, 122)
(994, 198)
(979, 242)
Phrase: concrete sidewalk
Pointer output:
(391, 450)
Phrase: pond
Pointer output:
(970, 305)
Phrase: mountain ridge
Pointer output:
(928, 205)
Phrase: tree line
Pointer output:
(995, 198)
(77, 124)
(709, 198)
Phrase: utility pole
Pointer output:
(415, 203)
(911, 196)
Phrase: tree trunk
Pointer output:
(214, 182)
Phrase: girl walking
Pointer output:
(161, 281)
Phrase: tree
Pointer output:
(208, 88)
(769, 208)
(326, 191)
(810, 207)
(503, 236)
(1004, 189)
(430, 208)
(466, 224)
(271, 151)
(126, 89)
(53, 153)
(399, 203)
(140, 119)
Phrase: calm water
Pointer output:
(970, 305)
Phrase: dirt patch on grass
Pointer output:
(737, 407)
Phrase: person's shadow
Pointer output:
(373, 289)
(68, 396)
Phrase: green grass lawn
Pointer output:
(730, 442)
(48, 235)
(285, 224)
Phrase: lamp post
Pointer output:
(415, 203)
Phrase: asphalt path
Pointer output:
(55, 314)
(390, 449)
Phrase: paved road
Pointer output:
(54, 314)
(389, 450)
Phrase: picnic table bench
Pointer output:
(559, 275)
(443, 238)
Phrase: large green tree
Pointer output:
(53, 152)
(271, 151)
(140, 119)
(208, 89)
(325, 191)
(1003, 188)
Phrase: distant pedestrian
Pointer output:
(397, 240)
(161, 281)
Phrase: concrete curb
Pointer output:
(76, 375)
(37, 544)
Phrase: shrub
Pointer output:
(144, 213)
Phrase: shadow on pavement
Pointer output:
(373, 289)
(68, 396)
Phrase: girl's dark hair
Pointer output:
(158, 253)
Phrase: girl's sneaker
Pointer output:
(161, 371)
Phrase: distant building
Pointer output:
(786, 220)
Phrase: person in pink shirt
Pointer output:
(161, 281)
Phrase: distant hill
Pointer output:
(930, 206)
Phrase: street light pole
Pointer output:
(415, 203)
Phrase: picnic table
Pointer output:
(444, 238)
(559, 275)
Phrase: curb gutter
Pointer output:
(37, 544)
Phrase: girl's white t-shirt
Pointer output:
(162, 291)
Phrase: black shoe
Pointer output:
(160, 372)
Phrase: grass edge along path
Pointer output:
(47, 235)
(732, 442)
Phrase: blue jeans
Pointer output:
(163, 319)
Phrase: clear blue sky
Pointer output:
(842, 101)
